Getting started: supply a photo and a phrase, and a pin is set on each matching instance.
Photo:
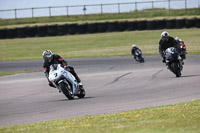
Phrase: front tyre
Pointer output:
(141, 60)
(176, 69)
(66, 91)
(82, 93)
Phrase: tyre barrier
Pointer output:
(82, 28)
(102, 27)
(142, 25)
(32, 31)
(52, 30)
(170, 24)
(42, 31)
(122, 26)
(112, 26)
(190, 22)
(12, 33)
(65, 29)
(22, 32)
(62, 29)
(132, 25)
(198, 22)
(160, 24)
(180, 23)
(151, 25)
(72, 29)
(3, 33)
(92, 27)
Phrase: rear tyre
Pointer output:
(66, 91)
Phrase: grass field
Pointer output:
(176, 118)
(95, 45)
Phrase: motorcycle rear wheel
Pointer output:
(66, 91)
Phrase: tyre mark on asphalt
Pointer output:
(155, 74)
(116, 79)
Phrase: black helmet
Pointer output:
(47, 55)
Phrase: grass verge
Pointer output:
(95, 45)
(147, 13)
(178, 118)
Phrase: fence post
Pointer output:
(67, 11)
(101, 8)
(32, 13)
(118, 7)
(49, 11)
(15, 13)
(84, 9)
(169, 4)
(136, 6)
(152, 6)
(185, 4)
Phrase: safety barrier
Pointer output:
(99, 27)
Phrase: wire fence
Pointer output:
(92, 9)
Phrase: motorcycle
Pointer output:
(183, 50)
(65, 82)
(138, 56)
(173, 61)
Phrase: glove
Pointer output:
(67, 68)
(50, 83)
(164, 61)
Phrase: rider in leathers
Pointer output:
(134, 49)
(50, 58)
(165, 42)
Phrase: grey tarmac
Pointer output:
(113, 84)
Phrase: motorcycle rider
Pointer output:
(134, 49)
(182, 46)
(165, 42)
(50, 58)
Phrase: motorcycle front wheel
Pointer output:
(82, 93)
(176, 69)
(66, 91)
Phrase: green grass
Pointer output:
(94, 45)
(148, 13)
(176, 118)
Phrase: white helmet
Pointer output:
(164, 34)
(134, 45)
(47, 55)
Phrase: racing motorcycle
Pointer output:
(65, 82)
(138, 56)
(173, 61)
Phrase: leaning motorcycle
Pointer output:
(138, 56)
(173, 61)
(65, 82)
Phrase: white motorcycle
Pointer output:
(65, 82)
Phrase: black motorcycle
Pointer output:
(173, 61)
(138, 56)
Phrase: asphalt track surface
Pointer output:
(112, 85)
